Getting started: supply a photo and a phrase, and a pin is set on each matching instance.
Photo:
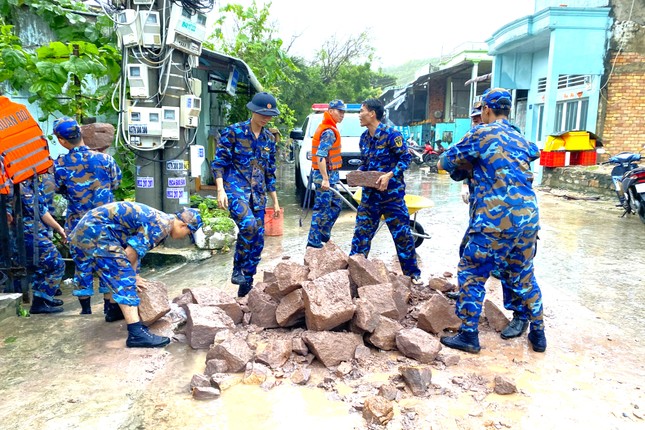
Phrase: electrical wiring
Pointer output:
(196, 5)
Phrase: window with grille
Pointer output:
(571, 115)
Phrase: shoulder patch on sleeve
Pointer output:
(398, 141)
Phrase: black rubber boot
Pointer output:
(40, 306)
(54, 302)
(245, 288)
(86, 306)
(237, 278)
(517, 327)
(464, 341)
(113, 313)
(58, 292)
(537, 339)
(106, 306)
(140, 337)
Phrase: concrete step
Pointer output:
(9, 303)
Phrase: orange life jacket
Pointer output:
(334, 160)
(23, 148)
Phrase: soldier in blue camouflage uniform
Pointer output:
(110, 240)
(87, 180)
(328, 204)
(48, 189)
(49, 268)
(244, 171)
(383, 150)
(504, 222)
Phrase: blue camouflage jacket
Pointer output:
(87, 180)
(107, 230)
(246, 164)
(503, 196)
(385, 152)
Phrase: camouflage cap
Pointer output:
(191, 217)
(67, 128)
(338, 105)
(497, 98)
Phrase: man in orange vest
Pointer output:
(326, 161)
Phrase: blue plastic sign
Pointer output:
(145, 182)
(176, 182)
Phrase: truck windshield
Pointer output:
(350, 127)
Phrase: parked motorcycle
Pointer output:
(417, 154)
(629, 182)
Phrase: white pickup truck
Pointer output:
(350, 132)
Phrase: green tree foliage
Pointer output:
(341, 70)
(74, 75)
(256, 43)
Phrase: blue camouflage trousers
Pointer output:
(48, 269)
(326, 209)
(512, 255)
(250, 239)
(397, 218)
(511, 301)
(115, 274)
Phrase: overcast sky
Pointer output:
(401, 30)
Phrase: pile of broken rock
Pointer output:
(333, 308)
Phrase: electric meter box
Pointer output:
(146, 142)
(150, 29)
(190, 107)
(196, 87)
(170, 123)
(128, 27)
(144, 121)
(186, 30)
(138, 80)
(191, 25)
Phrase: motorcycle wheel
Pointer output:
(641, 213)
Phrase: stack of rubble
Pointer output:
(334, 309)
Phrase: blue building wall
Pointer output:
(553, 42)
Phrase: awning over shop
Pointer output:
(222, 65)
(481, 78)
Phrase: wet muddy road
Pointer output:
(73, 372)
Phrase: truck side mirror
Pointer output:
(297, 134)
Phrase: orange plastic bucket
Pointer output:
(273, 225)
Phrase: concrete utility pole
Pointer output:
(161, 42)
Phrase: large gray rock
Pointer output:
(275, 353)
(207, 296)
(203, 323)
(263, 308)
(154, 301)
(291, 310)
(328, 301)
(234, 351)
(440, 284)
(366, 316)
(438, 314)
(98, 136)
(418, 378)
(378, 411)
(384, 336)
(360, 178)
(289, 277)
(367, 272)
(496, 318)
(418, 344)
(327, 259)
(382, 297)
(332, 348)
